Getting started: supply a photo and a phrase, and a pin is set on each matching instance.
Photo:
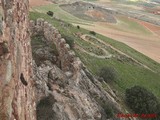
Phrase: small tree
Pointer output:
(92, 32)
(69, 40)
(141, 101)
(78, 27)
(50, 13)
(108, 74)
(108, 110)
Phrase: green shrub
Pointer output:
(108, 110)
(92, 32)
(50, 13)
(141, 101)
(78, 27)
(69, 40)
(44, 109)
(108, 74)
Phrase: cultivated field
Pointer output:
(148, 44)
(135, 33)
(34, 3)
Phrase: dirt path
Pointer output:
(106, 56)
(109, 56)
(92, 54)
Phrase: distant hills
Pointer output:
(146, 1)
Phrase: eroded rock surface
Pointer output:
(17, 93)
(74, 99)
(74, 91)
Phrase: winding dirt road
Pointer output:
(83, 37)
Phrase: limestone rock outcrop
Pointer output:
(17, 94)
(71, 90)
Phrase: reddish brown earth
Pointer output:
(94, 13)
(151, 27)
(34, 3)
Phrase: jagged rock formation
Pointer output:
(16, 83)
(67, 85)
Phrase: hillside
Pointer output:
(82, 60)
(133, 68)
(96, 55)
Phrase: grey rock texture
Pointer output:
(75, 99)
(76, 93)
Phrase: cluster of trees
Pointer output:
(139, 99)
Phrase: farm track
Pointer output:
(83, 37)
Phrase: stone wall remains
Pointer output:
(67, 59)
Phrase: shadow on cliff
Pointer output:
(44, 109)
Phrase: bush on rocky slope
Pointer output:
(142, 101)
(109, 74)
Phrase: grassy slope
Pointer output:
(59, 13)
(129, 74)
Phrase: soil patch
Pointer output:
(34, 3)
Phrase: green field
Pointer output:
(60, 14)
(128, 24)
(124, 24)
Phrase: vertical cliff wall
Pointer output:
(16, 84)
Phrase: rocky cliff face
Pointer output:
(59, 90)
(16, 83)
